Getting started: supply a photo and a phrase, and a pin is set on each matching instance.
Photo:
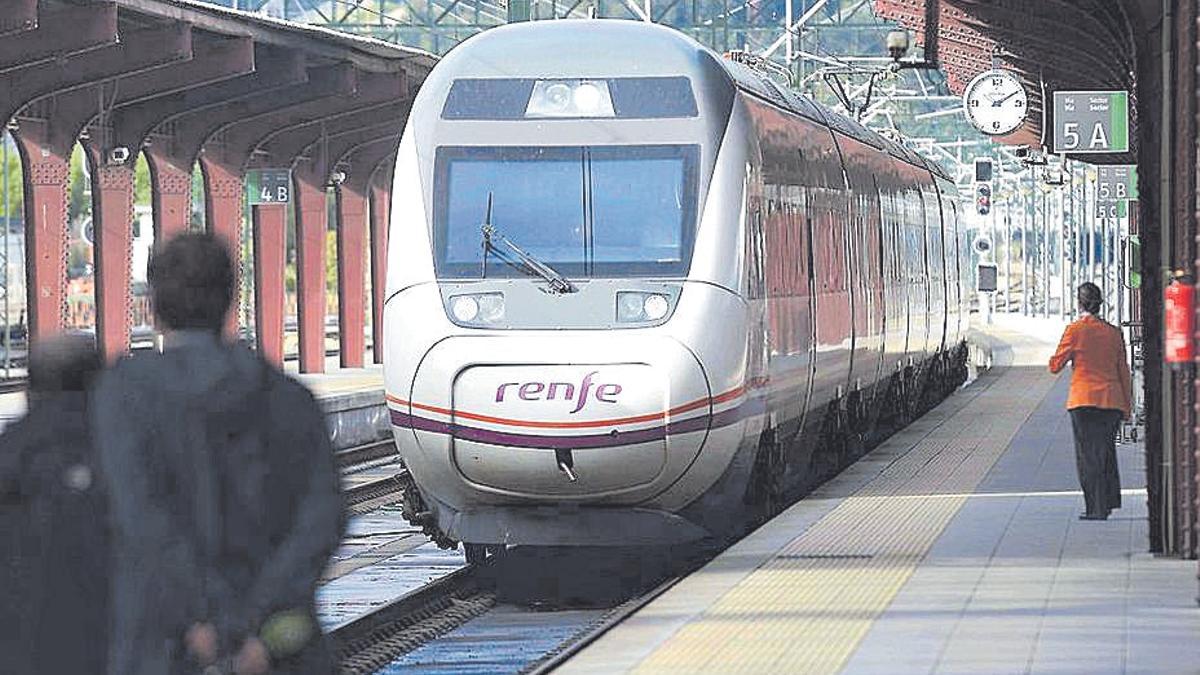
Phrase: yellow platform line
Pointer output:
(806, 609)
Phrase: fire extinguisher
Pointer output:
(1179, 312)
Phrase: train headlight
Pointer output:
(570, 98)
(635, 306)
(656, 306)
(478, 308)
(465, 308)
(587, 96)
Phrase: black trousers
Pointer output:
(1096, 457)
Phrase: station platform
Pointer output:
(953, 547)
(351, 398)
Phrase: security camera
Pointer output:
(118, 155)
(897, 44)
(337, 177)
(1054, 175)
(982, 245)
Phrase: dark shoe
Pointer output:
(1093, 516)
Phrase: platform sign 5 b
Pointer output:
(1118, 181)
(1116, 186)
(1091, 121)
(269, 186)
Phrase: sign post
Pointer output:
(1091, 121)
(269, 186)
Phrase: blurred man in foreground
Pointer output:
(56, 550)
(227, 503)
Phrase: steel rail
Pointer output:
(617, 615)
(373, 640)
(368, 452)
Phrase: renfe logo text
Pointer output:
(552, 391)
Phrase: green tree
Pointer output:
(10, 160)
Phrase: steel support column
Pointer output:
(45, 167)
(351, 248)
(311, 225)
(381, 206)
(170, 196)
(269, 222)
(223, 194)
(112, 223)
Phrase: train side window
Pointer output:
(755, 282)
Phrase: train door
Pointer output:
(833, 311)
(755, 291)
(935, 228)
(954, 330)
(895, 299)
(964, 278)
(873, 262)
(865, 284)
(916, 265)
(860, 270)
(788, 299)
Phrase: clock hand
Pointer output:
(998, 103)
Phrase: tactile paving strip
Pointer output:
(807, 608)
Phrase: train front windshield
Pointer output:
(614, 211)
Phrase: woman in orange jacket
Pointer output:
(1101, 394)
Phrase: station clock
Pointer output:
(995, 102)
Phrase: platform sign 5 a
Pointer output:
(1091, 121)
(269, 186)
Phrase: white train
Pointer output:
(633, 285)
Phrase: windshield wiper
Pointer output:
(529, 264)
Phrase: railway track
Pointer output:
(369, 643)
(372, 475)
(418, 630)
(610, 620)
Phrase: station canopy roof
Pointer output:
(1079, 45)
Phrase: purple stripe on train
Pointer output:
(613, 438)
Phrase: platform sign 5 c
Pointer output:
(1111, 208)
(1091, 121)
(269, 186)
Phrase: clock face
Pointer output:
(995, 102)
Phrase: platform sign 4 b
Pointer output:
(1091, 121)
(269, 186)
